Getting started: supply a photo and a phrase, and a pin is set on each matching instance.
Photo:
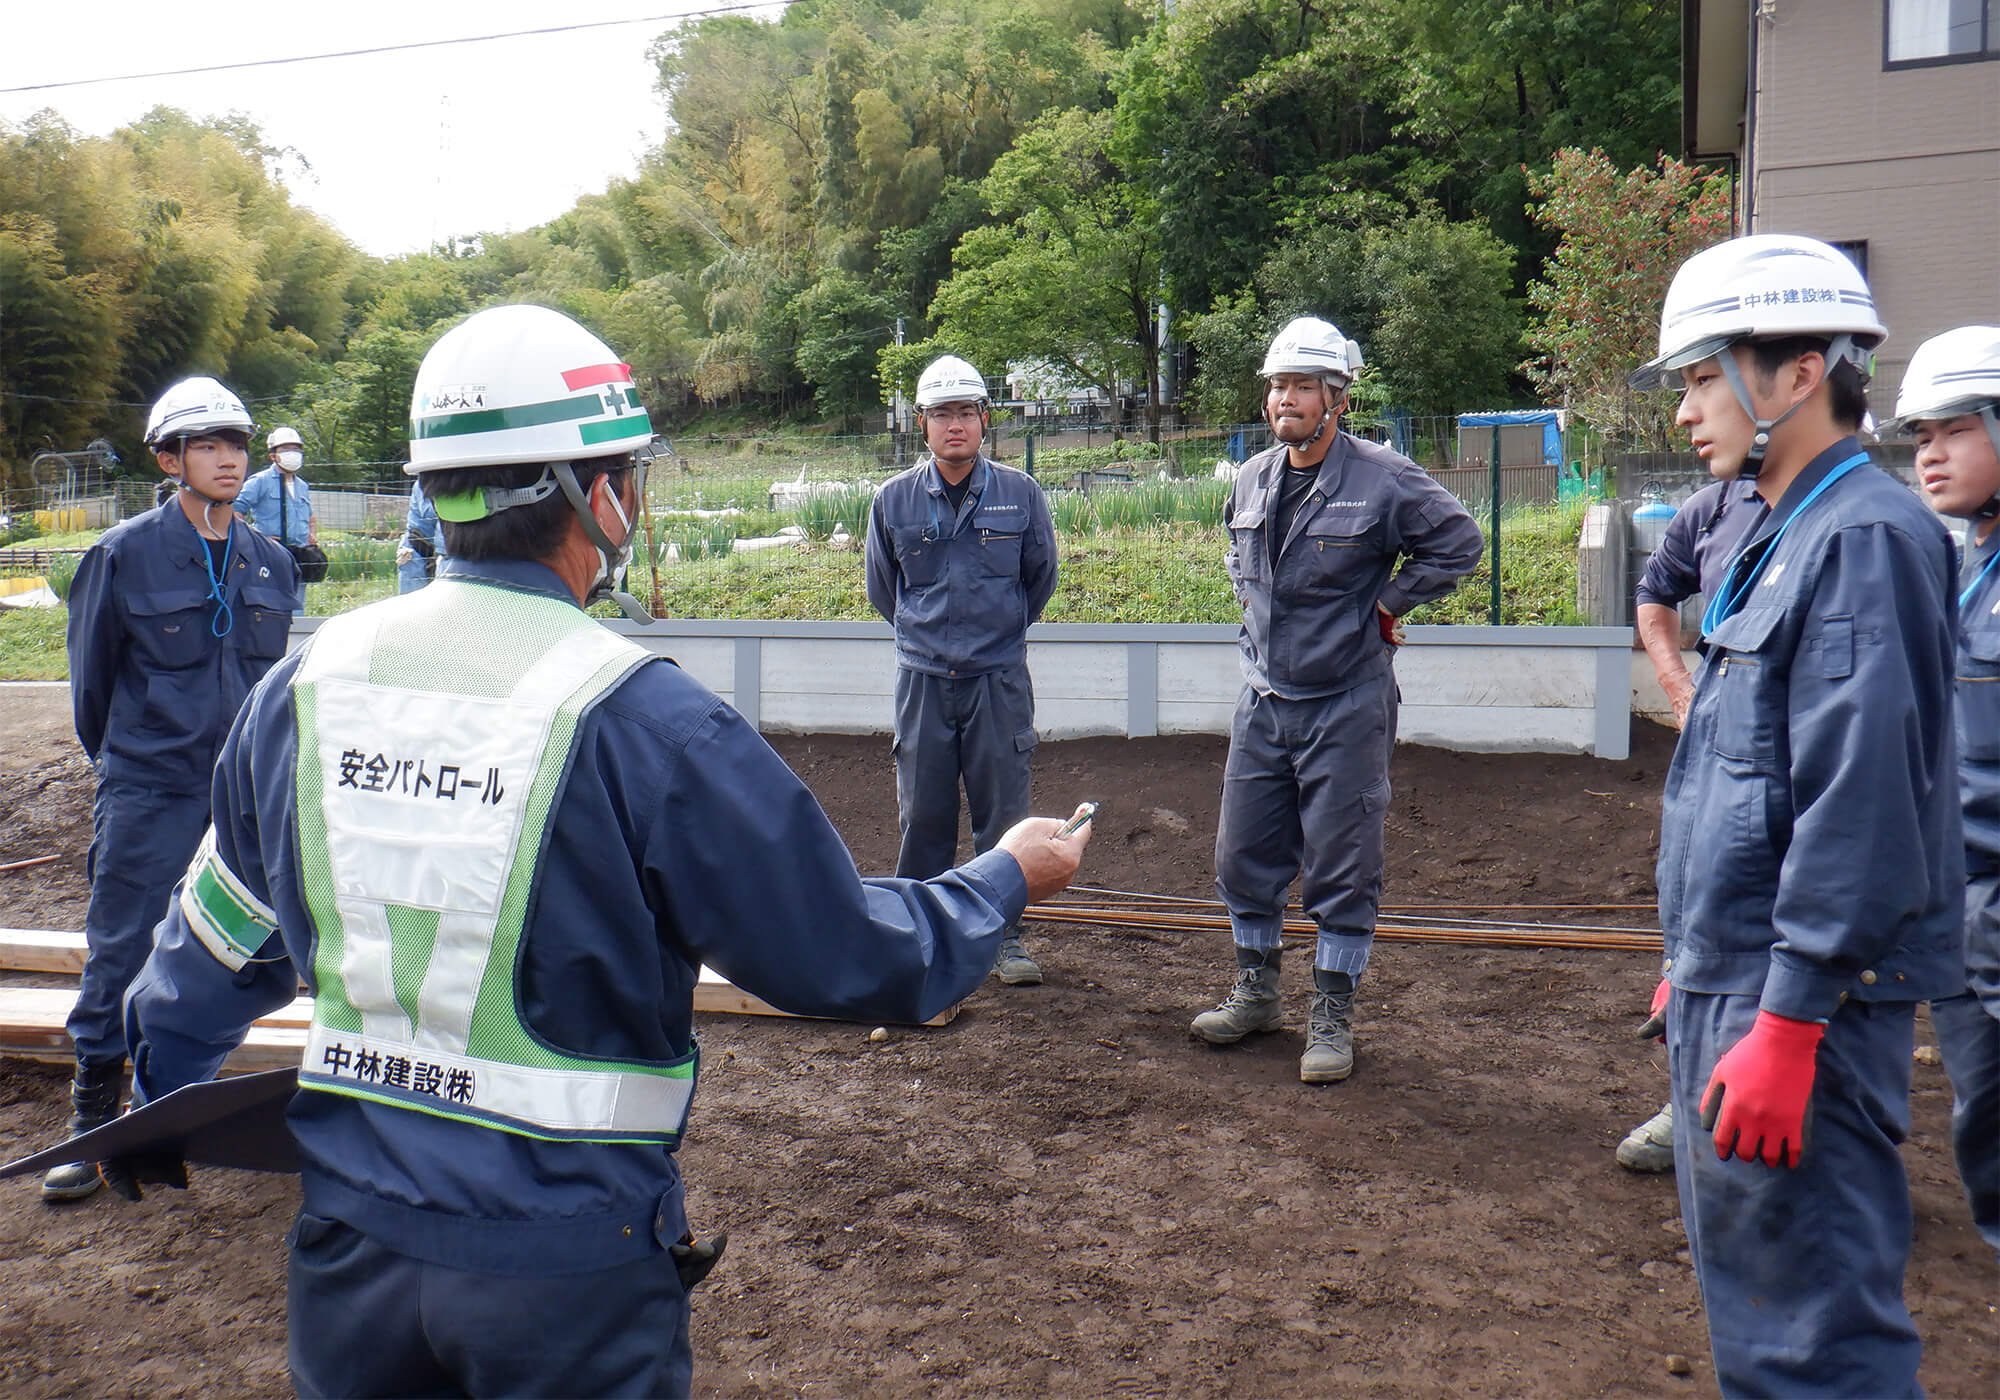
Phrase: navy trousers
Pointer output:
(140, 847)
(1801, 1269)
(979, 729)
(1307, 784)
(367, 1321)
(1968, 1032)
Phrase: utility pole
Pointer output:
(900, 428)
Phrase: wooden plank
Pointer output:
(41, 950)
(53, 950)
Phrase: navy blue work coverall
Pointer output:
(1811, 865)
(438, 1257)
(1968, 1025)
(961, 589)
(1307, 777)
(1700, 542)
(154, 689)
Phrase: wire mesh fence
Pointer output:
(797, 503)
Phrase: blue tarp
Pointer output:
(1549, 418)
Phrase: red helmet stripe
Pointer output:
(597, 374)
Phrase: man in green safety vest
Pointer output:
(499, 842)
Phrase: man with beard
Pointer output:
(1331, 539)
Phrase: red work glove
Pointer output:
(1758, 1098)
(1654, 1027)
(1392, 631)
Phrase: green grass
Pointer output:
(31, 644)
(1537, 572)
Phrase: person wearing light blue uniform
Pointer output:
(498, 842)
(422, 545)
(1950, 402)
(1812, 866)
(173, 616)
(1331, 539)
(961, 560)
(277, 500)
(1700, 543)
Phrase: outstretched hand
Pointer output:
(1048, 861)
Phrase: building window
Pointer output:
(1940, 31)
(1857, 253)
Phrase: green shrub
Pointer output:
(359, 557)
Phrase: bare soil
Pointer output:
(1061, 1193)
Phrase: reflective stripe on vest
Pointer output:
(436, 732)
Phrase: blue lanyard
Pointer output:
(224, 621)
(1730, 598)
(1965, 598)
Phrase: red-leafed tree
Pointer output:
(1622, 235)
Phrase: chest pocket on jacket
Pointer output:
(263, 616)
(1979, 689)
(998, 537)
(1739, 685)
(1246, 533)
(920, 559)
(1340, 547)
(171, 626)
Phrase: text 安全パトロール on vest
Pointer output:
(435, 735)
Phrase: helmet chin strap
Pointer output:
(208, 502)
(1760, 441)
(612, 559)
(1992, 422)
(1325, 418)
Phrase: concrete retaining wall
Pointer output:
(1506, 689)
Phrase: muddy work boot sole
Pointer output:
(1014, 967)
(1251, 1007)
(1650, 1146)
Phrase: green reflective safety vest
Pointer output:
(436, 732)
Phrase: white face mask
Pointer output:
(291, 459)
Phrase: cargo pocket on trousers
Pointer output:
(1026, 739)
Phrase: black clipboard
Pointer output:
(236, 1122)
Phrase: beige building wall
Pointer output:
(1907, 159)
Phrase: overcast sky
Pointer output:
(400, 150)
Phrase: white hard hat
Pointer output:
(948, 379)
(522, 384)
(284, 437)
(1308, 345)
(1765, 286)
(1957, 372)
(193, 407)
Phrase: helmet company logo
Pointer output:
(454, 397)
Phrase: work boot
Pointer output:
(1014, 966)
(1252, 1004)
(1329, 1039)
(1650, 1146)
(93, 1102)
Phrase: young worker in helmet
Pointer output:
(173, 616)
(961, 557)
(1811, 866)
(1701, 542)
(1950, 401)
(499, 841)
(1331, 539)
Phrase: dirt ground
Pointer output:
(1061, 1193)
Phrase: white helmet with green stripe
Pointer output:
(526, 386)
(517, 384)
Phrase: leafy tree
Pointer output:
(1622, 234)
(842, 326)
(1447, 328)
(1073, 279)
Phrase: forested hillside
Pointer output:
(1015, 179)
